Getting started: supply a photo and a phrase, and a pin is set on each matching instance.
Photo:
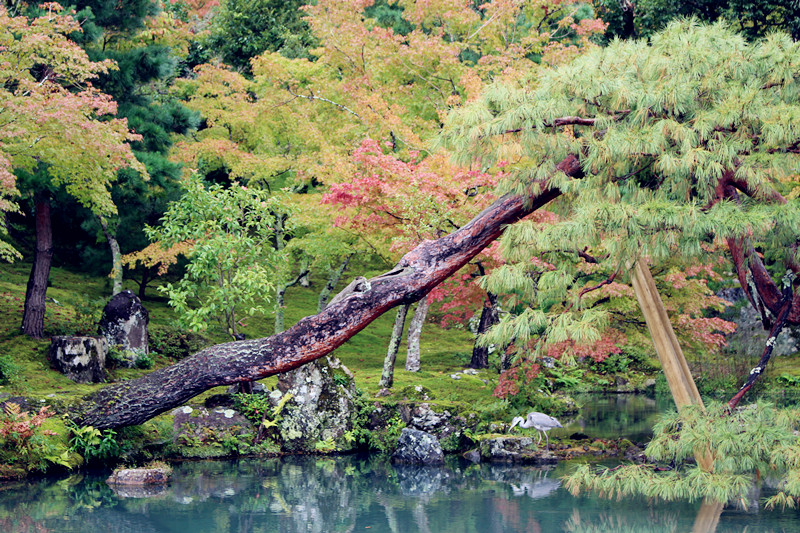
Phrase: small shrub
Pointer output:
(118, 357)
(143, 360)
(174, 342)
(258, 409)
(9, 370)
(787, 380)
(93, 444)
(24, 445)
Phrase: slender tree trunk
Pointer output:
(628, 19)
(780, 321)
(387, 376)
(280, 293)
(143, 284)
(33, 316)
(116, 256)
(280, 290)
(280, 298)
(333, 280)
(414, 333)
(489, 317)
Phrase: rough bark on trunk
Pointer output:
(33, 316)
(489, 317)
(419, 271)
(414, 334)
(387, 376)
(116, 257)
(780, 321)
(333, 280)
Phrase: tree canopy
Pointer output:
(687, 142)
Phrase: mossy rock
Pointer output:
(416, 392)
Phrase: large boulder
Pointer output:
(418, 447)
(124, 325)
(448, 428)
(81, 359)
(201, 431)
(750, 337)
(322, 409)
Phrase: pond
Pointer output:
(613, 416)
(346, 494)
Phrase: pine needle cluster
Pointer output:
(755, 444)
(659, 126)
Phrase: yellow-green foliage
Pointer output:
(757, 440)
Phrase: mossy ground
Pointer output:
(73, 296)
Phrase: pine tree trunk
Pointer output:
(333, 280)
(387, 376)
(33, 316)
(489, 317)
(419, 271)
(414, 333)
(116, 257)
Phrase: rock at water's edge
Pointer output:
(139, 476)
(418, 447)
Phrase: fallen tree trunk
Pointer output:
(419, 271)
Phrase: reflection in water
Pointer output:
(611, 416)
(347, 494)
(536, 488)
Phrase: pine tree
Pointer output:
(688, 142)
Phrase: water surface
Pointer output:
(347, 494)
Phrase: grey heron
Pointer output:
(539, 421)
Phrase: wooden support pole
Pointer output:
(681, 384)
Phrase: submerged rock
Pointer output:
(139, 476)
(418, 447)
(515, 450)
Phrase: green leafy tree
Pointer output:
(148, 44)
(244, 29)
(55, 132)
(232, 262)
(642, 18)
